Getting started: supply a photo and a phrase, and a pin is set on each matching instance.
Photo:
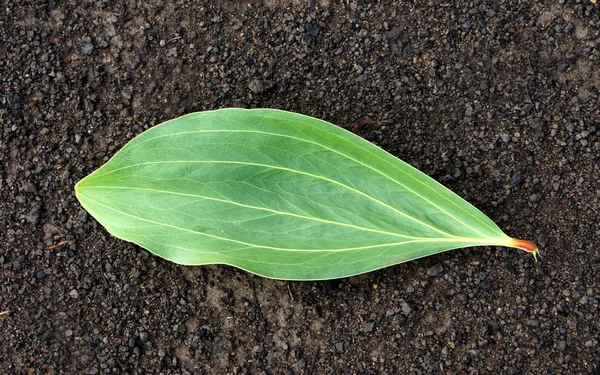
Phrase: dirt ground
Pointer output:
(498, 100)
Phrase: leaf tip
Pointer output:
(76, 188)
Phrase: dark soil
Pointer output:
(498, 100)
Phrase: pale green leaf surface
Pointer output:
(278, 194)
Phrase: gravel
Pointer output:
(496, 100)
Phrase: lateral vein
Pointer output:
(254, 207)
(348, 157)
(288, 170)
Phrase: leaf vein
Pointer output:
(253, 207)
(292, 171)
(350, 158)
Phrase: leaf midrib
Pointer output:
(168, 192)
(457, 240)
(287, 170)
(392, 179)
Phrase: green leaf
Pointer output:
(278, 194)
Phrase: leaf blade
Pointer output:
(273, 182)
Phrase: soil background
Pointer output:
(498, 100)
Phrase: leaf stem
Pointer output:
(525, 245)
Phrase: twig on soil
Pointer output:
(61, 243)
(290, 292)
(107, 287)
(313, 362)
(258, 309)
(172, 39)
(5, 312)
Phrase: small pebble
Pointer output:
(311, 29)
(542, 240)
(256, 86)
(516, 180)
(406, 309)
(562, 345)
(87, 48)
(435, 270)
(486, 285)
